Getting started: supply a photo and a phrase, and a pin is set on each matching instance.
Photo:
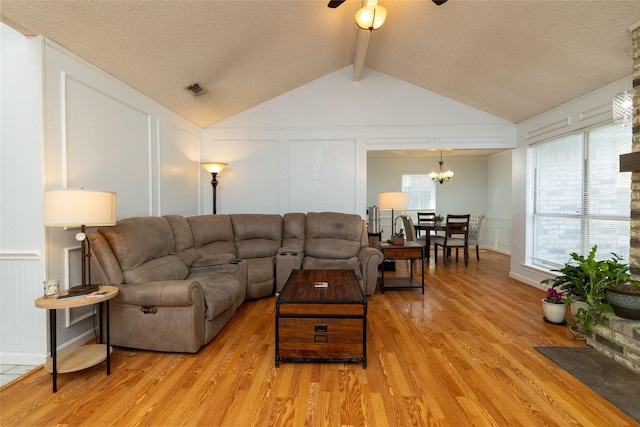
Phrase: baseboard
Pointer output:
(33, 359)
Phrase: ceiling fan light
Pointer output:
(371, 17)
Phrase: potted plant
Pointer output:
(438, 218)
(554, 308)
(585, 279)
(623, 293)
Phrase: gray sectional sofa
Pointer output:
(181, 279)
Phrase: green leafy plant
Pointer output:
(438, 218)
(585, 279)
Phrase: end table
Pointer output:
(85, 356)
(409, 250)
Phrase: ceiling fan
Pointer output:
(335, 3)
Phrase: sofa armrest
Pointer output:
(168, 293)
(213, 260)
(221, 264)
(286, 262)
(370, 259)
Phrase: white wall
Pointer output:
(98, 133)
(306, 150)
(498, 217)
(588, 110)
(23, 334)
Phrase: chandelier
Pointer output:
(441, 176)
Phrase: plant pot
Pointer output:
(625, 301)
(576, 305)
(554, 313)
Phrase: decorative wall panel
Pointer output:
(322, 176)
(99, 129)
(179, 172)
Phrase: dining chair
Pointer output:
(456, 236)
(410, 231)
(424, 217)
(475, 224)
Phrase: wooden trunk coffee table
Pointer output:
(321, 323)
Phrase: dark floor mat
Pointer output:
(614, 382)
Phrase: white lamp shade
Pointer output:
(213, 167)
(392, 200)
(76, 207)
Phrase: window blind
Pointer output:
(420, 192)
(580, 198)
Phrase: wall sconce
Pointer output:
(79, 207)
(623, 107)
(214, 169)
(392, 200)
(371, 17)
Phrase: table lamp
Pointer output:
(392, 200)
(80, 208)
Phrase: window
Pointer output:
(580, 198)
(420, 191)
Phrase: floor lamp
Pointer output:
(214, 169)
(80, 208)
(392, 200)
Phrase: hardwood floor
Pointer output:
(461, 354)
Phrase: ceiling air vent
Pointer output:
(195, 89)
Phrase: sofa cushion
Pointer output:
(260, 269)
(257, 235)
(169, 267)
(181, 232)
(137, 240)
(221, 292)
(333, 235)
(212, 234)
(293, 231)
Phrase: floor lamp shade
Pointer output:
(77, 207)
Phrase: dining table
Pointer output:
(427, 227)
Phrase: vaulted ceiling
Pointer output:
(513, 59)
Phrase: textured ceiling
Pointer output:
(513, 59)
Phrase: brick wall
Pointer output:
(634, 256)
(619, 338)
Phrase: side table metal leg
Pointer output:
(53, 345)
(423, 271)
(108, 339)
